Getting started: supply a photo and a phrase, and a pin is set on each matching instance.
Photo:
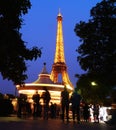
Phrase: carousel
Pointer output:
(39, 86)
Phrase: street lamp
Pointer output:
(93, 83)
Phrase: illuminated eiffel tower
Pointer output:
(59, 66)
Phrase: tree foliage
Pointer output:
(92, 93)
(13, 51)
(98, 44)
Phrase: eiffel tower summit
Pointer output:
(59, 66)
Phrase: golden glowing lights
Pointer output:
(59, 66)
(55, 95)
(59, 55)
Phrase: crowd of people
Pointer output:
(69, 103)
(80, 110)
(24, 107)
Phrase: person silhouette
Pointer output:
(86, 112)
(46, 99)
(21, 104)
(75, 100)
(96, 112)
(36, 99)
(65, 103)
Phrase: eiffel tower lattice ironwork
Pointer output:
(59, 65)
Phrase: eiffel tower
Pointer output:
(59, 66)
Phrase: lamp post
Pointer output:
(93, 83)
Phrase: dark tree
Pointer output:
(92, 89)
(98, 45)
(13, 51)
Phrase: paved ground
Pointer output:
(14, 123)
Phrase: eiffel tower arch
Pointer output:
(59, 65)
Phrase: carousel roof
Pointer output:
(43, 77)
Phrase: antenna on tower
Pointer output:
(59, 10)
(59, 14)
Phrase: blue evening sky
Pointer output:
(39, 29)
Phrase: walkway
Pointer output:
(14, 123)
